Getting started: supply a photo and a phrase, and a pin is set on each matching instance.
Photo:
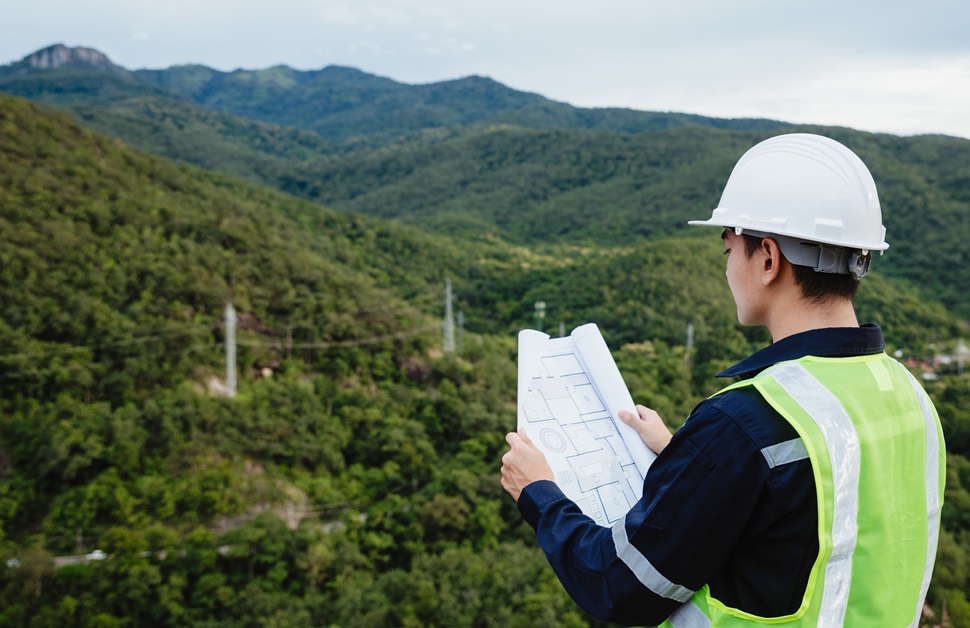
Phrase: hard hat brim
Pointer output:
(763, 232)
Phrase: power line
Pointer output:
(65, 350)
(104, 345)
(401, 308)
(384, 313)
(342, 343)
(26, 373)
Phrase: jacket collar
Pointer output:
(829, 342)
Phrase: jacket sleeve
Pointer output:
(698, 495)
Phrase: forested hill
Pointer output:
(472, 157)
(344, 104)
(100, 241)
(532, 186)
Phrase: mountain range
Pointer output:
(342, 104)
(474, 158)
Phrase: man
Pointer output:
(809, 492)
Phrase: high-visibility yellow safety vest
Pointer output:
(877, 453)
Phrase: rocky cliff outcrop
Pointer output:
(59, 55)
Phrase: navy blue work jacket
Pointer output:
(713, 510)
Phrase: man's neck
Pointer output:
(810, 315)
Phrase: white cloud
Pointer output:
(369, 13)
(895, 94)
(902, 95)
(365, 47)
(339, 13)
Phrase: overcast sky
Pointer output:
(893, 66)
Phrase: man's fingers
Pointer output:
(633, 420)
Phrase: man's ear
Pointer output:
(771, 261)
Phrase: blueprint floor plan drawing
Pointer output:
(569, 394)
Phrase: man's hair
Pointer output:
(816, 286)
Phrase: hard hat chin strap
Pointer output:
(824, 258)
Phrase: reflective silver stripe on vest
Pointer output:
(689, 616)
(645, 572)
(842, 443)
(932, 488)
(783, 453)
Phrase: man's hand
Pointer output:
(649, 426)
(523, 464)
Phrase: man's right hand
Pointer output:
(649, 426)
(522, 464)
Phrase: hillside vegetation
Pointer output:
(471, 156)
(347, 105)
(354, 478)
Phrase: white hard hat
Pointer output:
(808, 187)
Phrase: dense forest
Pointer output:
(476, 159)
(353, 479)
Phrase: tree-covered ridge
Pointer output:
(358, 483)
(345, 104)
(491, 166)
(532, 186)
(169, 125)
(168, 242)
(527, 184)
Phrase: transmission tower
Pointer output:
(230, 351)
(449, 320)
(540, 313)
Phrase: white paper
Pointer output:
(570, 392)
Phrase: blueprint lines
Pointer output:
(566, 416)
